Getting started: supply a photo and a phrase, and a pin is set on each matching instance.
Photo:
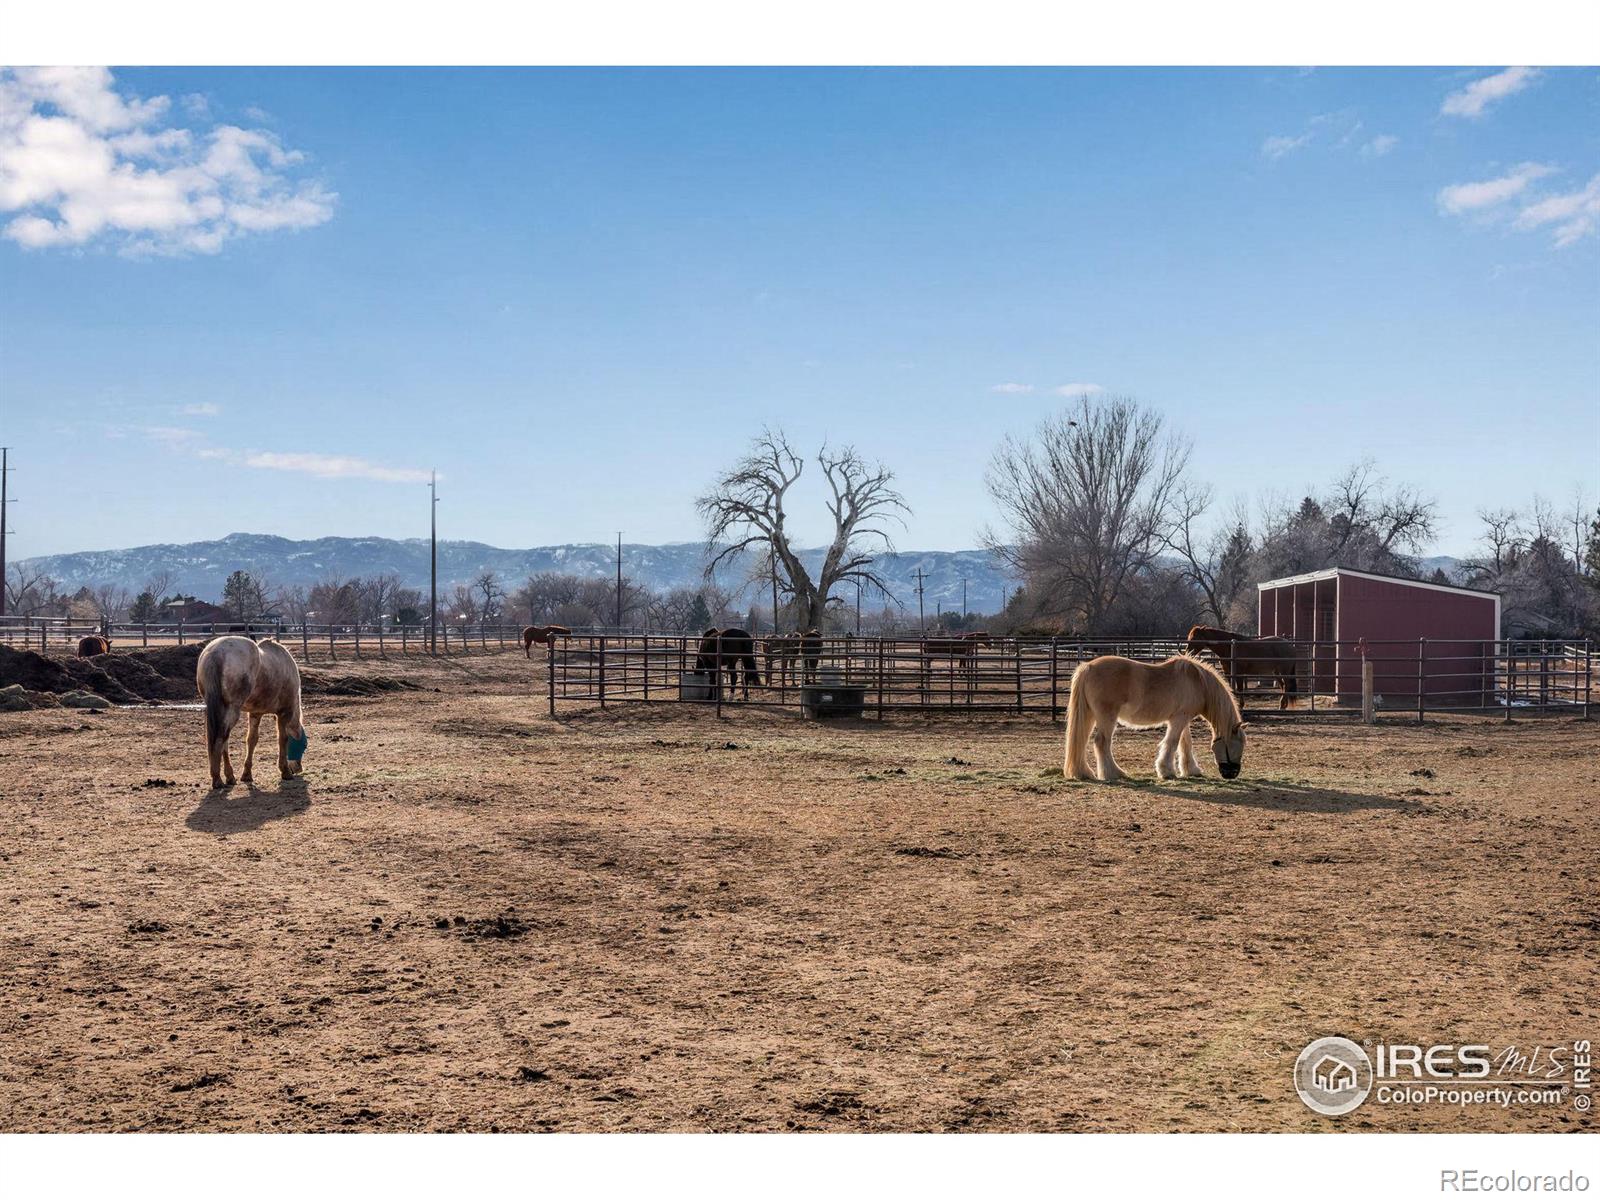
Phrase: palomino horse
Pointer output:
(1249, 658)
(94, 644)
(545, 635)
(728, 650)
(1173, 693)
(236, 675)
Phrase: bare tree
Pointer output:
(111, 600)
(159, 584)
(1218, 562)
(745, 511)
(1397, 521)
(490, 595)
(1089, 503)
(29, 591)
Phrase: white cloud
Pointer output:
(331, 466)
(1575, 215)
(1477, 96)
(1277, 146)
(1078, 389)
(204, 409)
(323, 466)
(80, 163)
(1460, 198)
(1012, 389)
(1380, 145)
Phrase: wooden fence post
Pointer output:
(358, 639)
(1422, 650)
(144, 634)
(305, 640)
(331, 652)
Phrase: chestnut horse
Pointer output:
(1247, 658)
(236, 675)
(545, 635)
(729, 650)
(1173, 693)
(92, 645)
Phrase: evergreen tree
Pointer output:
(241, 596)
(144, 607)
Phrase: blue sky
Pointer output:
(578, 293)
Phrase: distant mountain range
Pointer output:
(200, 568)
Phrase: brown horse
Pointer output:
(92, 645)
(729, 650)
(782, 652)
(545, 635)
(811, 653)
(1246, 658)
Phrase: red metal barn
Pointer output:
(1432, 639)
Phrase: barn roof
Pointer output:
(1335, 572)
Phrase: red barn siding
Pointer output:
(1460, 626)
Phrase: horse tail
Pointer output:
(210, 685)
(752, 667)
(1079, 722)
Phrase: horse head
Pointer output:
(1228, 748)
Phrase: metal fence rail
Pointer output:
(1034, 675)
(354, 639)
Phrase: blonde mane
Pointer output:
(1221, 705)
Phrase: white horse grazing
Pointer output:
(236, 675)
(1109, 689)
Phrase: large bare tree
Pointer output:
(1088, 503)
(745, 511)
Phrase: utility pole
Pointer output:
(433, 562)
(858, 606)
(619, 581)
(922, 620)
(5, 514)
(963, 602)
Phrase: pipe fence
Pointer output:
(879, 675)
(312, 640)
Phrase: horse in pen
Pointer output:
(728, 650)
(1173, 693)
(544, 635)
(1247, 658)
(235, 676)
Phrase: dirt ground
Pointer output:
(467, 916)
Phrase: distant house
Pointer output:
(190, 610)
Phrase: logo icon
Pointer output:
(1333, 1076)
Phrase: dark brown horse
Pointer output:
(811, 653)
(961, 650)
(92, 645)
(1246, 658)
(545, 635)
(729, 650)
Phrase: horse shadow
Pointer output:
(1284, 797)
(225, 810)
